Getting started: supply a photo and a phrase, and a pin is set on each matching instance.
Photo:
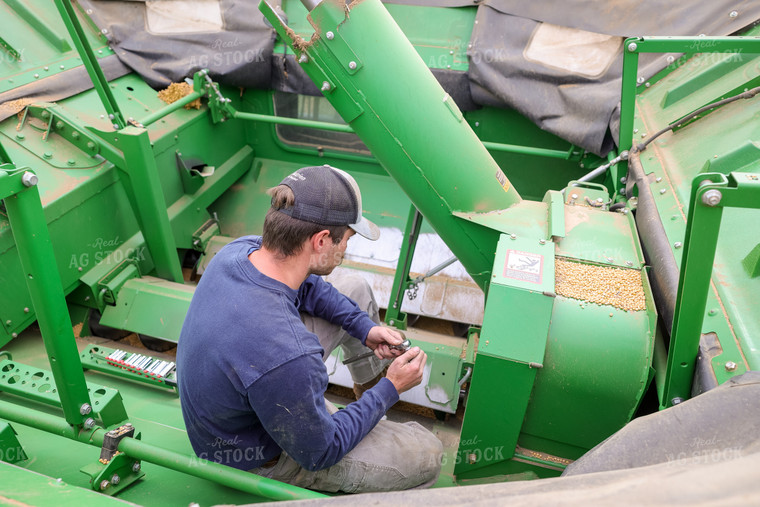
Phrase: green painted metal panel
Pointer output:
(150, 306)
(11, 450)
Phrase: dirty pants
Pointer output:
(393, 456)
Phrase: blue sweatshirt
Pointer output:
(251, 377)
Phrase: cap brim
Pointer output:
(367, 229)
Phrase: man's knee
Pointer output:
(358, 289)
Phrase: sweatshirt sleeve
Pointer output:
(321, 299)
(290, 404)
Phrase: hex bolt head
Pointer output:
(513, 236)
(115, 479)
(330, 35)
(116, 126)
(85, 409)
(326, 86)
(29, 179)
(304, 58)
(574, 196)
(662, 191)
(472, 458)
(712, 197)
(541, 241)
(658, 179)
(676, 401)
(352, 65)
(632, 47)
(104, 484)
(678, 244)
(89, 423)
(730, 366)
(136, 467)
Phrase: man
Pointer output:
(251, 374)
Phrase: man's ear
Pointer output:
(321, 239)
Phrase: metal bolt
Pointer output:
(712, 197)
(136, 467)
(625, 211)
(116, 126)
(352, 65)
(26, 310)
(326, 86)
(14, 335)
(643, 135)
(85, 409)
(663, 190)
(623, 180)
(29, 179)
(678, 244)
(20, 136)
(730, 366)
(541, 241)
(647, 84)
(104, 484)
(635, 131)
(330, 35)
(658, 179)
(115, 479)
(89, 423)
(303, 58)
(62, 67)
(80, 268)
(632, 47)
(677, 400)
(71, 161)
(513, 236)
(472, 458)
(8, 322)
(104, 31)
(628, 263)
(712, 312)
(610, 259)
(574, 196)
(36, 76)
(111, 116)
(640, 80)
(733, 14)
(670, 59)
(391, 322)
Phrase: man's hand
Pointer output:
(406, 370)
(380, 337)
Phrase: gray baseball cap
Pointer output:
(325, 195)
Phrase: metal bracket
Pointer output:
(109, 285)
(114, 470)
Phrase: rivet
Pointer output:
(712, 311)
(733, 14)
(26, 310)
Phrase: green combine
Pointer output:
(568, 203)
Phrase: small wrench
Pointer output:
(403, 347)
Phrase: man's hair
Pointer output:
(286, 235)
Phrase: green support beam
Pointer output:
(18, 188)
(710, 193)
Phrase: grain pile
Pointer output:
(176, 91)
(602, 285)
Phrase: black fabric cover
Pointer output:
(239, 55)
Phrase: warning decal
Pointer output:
(503, 181)
(525, 266)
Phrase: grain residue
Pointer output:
(177, 91)
(618, 287)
